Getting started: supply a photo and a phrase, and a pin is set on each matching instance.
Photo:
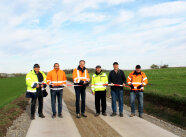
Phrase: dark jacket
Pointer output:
(117, 78)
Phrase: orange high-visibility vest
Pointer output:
(79, 75)
(137, 80)
(58, 78)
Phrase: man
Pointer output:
(81, 78)
(117, 76)
(99, 79)
(56, 78)
(137, 80)
(36, 82)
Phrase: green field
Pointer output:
(11, 88)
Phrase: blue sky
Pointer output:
(131, 32)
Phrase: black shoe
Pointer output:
(141, 115)
(83, 114)
(78, 116)
(54, 116)
(41, 115)
(113, 114)
(32, 117)
(132, 115)
(104, 114)
(97, 114)
(60, 116)
(121, 114)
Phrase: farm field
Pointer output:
(11, 88)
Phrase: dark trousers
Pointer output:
(59, 95)
(80, 91)
(100, 96)
(39, 96)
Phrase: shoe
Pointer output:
(132, 115)
(104, 114)
(41, 115)
(83, 114)
(121, 114)
(97, 114)
(113, 114)
(60, 116)
(54, 116)
(32, 117)
(78, 116)
(141, 115)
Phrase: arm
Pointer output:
(49, 78)
(110, 78)
(88, 76)
(64, 78)
(145, 80)
(106, 79)
(29, 81)
(129, 79)
(44, 80)
(123, 77)
(74, 76)
(92, 85)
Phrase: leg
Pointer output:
(140, 102)
(83, 97)
(53, 101)
(113, 94)
(77, 91)
(59, 98)
(103, 101)
(33, 105)
(40, 99)
(120, 97)
(132, 102)
(97, 101)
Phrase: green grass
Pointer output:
(11, 88)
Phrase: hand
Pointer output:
(132, 87)
(41, 86)
(139, 87)
(124, 84)
(93, 93)
(37, 86)
(52, 85)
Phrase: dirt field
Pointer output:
(91, 126)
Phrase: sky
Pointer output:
(101, 32)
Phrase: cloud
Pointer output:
(162, 9)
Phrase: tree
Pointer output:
(154, 66)
(164, 66)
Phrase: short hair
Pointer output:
(138, 67)
(55, 64)
(81, 61)
(115, 63)
(36, 66)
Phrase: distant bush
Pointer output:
(154, 66)
(164, 66)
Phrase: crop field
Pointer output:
(11, 88)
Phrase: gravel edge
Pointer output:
(21, 125)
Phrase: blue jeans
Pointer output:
(139, 96)
(59, 95)
(80, 91)
(117, 95)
